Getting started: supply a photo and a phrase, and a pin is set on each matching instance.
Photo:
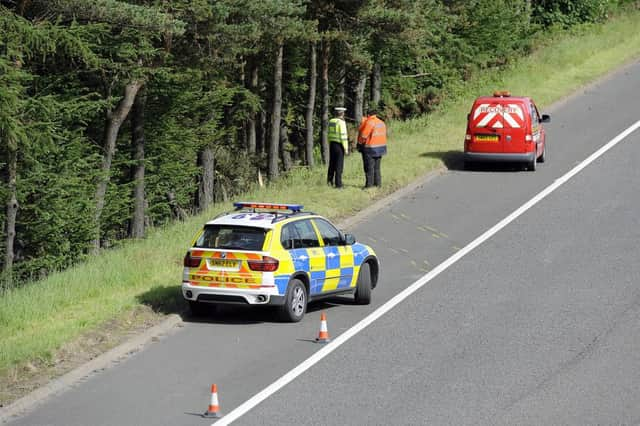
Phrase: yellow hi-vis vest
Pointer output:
(337, 132)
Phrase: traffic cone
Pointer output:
(323, 335)
(214, 410)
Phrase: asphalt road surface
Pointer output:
(538, 324)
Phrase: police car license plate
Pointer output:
(223, 263)
(487, 138)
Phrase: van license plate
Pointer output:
(487, 138)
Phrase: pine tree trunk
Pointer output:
(206, 187)
(178, 212)
(276, 115)
(137, 136)
(340, 89)
(313, 77)
(114, 121)
(262, 130)
(376, 85)
(251, 123)
(12, 210)
(22, 6)
(287, 164)
(359, 101)
(324, 125)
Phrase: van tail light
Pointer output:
(528, 138)
(267, 264)
(191, 262)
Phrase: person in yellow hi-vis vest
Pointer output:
(338, 147)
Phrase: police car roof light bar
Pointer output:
(295, 208)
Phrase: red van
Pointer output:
(505, 128)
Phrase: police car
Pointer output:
(275, 254)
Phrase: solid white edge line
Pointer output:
(391, 303)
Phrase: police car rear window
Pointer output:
(231, 237)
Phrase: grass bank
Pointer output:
(38, 319)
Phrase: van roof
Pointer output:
(505, 99)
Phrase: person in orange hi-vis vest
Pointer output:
(372, 143)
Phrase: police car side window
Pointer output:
(289, 237)
(307, 235)
(330, 235)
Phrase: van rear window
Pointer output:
(232, 237)
(496, 115)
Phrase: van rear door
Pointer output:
(515, 124)
(486, 127)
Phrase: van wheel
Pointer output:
(295, 302)
(543, 156)
(532, 164)
(362, 295)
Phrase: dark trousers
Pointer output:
(336, 164)
(371, 170)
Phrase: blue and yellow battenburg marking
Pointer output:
(329, 268)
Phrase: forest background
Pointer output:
(124, 123)
(116, 117)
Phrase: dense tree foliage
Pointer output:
(120, 115)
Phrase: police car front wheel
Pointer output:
(363, 286)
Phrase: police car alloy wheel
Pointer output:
(295, 302)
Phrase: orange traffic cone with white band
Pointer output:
(323, 336)
(214, 409)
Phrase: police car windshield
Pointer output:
(231, 237)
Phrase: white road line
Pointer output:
(338, 341)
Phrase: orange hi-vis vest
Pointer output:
(372, 136)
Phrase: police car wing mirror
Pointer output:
(349, 239)
(546, 118)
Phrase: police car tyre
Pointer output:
(295, 302)
(543, 156)
(363, 287)
(198, 309)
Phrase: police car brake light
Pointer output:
(267, 264)
(268, 206)
(191, 262)
(501, 93)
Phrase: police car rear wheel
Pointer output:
(295, 302)
(363, 286)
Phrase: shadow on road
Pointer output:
(454, 160)
(163, 299)
(168, 300)
(451, 159)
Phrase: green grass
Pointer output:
(38, 318)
